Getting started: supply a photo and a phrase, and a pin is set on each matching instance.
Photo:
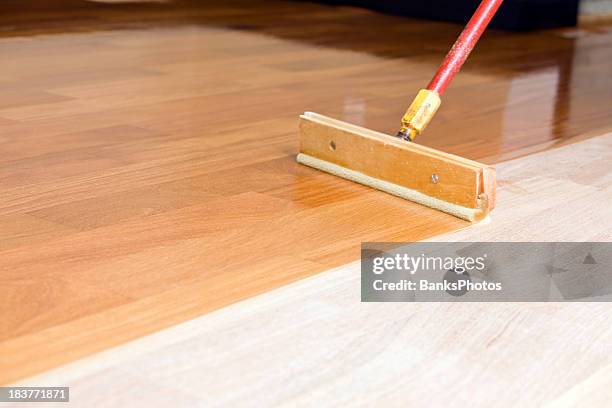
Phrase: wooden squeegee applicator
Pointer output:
(392, 164)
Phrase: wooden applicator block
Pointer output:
(443, 181)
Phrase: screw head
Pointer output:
(434, 178)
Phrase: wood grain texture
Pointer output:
(147, 151)
(314, 343)
(594, 391)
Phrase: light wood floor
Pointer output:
(147, 167)
(314, 343)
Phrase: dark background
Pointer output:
(516, 15)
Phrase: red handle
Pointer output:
(463, 46)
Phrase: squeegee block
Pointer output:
(446, 182)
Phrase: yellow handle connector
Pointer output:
(418, 115)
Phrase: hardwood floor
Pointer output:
(257, 353)
(147, 168)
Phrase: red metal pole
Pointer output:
(463, 46)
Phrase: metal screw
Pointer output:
(434, 178)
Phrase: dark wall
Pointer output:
(516, 15)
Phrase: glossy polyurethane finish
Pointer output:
(147, 169)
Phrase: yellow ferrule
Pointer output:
(420, 112)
